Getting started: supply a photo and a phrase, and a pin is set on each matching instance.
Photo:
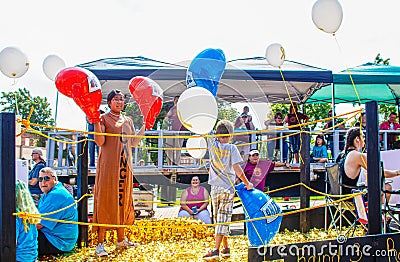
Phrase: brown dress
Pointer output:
(113, 201)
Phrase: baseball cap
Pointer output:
(254, 151)
(243, 115)
(38, 151)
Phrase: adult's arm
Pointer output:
(33, 181)
(139, 134)
(361, 160)
(99, 128)
(279, 164)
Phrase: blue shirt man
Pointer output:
(37, 157)
(56, 237)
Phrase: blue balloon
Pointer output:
(258, 204)
(206, 70)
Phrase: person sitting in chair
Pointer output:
(189, 206)
(256, 170)
(320, 152)
(353, 160)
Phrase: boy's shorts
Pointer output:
(222, 200)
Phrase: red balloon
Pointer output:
(84, 87)
(148, 95)
(65, 79)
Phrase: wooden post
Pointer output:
(7, 187)
(305, 179)
(82, 182)
(374, 180)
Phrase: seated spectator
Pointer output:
(55, 237)
(256, 170)
(33, 184)
(320, 153)
(353, 160)
(189, 206)
(391, 124)
(26, 232)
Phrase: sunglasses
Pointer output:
(118, 100)
(45, 178)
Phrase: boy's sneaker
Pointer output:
(214, 253)
(226, 252)
(101, 251)
(126, 243)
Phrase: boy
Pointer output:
(225, 166)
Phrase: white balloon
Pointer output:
(197, 110)
(196, 146)
(327, 15)
(52, 64)
(13, 62)
(275, 54)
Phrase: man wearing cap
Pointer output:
(33, 183)
(256, 169)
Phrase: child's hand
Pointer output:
(249, 186)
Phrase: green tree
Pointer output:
(314, 111)
(317, 111)
(21, 101)
(226, 111)
(385, 110)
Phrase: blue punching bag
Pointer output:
(206, 70)
(258, 204)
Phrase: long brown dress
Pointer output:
(113, 201)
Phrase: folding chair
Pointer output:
(341, 211)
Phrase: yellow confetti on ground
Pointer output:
(182, 240)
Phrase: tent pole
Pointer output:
(398, 106)
(335, 148)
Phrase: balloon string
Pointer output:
(355, 91)
(295, 112)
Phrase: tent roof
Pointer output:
(374, 82)
(244, 80)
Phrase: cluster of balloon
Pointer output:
(259, 205)
(197, 110)
(196, 146)
(275, 55)
(149, 96)
(327, 15)
(52, 64)
(82, 86)
(206, 70)
(13, 62)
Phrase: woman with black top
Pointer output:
(353, 160)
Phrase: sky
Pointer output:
(177, 30)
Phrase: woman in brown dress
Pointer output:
(113, 202)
